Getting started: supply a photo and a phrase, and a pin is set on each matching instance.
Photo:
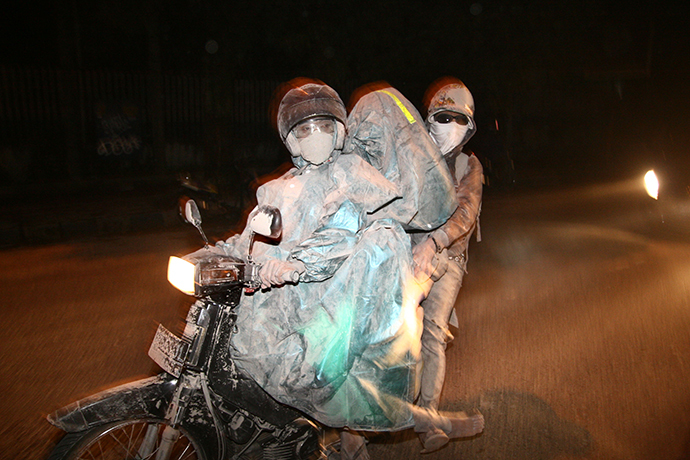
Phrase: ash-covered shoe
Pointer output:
(433, 440)
(463, 425)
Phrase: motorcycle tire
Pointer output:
(125, 439)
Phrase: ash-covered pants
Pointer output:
(438, 308)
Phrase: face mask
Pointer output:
(317, 147)
(447, 135)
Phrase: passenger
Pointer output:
(442, 253)
(385, 129)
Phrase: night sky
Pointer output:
(582, 79)
(401, 41)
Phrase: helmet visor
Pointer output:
(323, 125)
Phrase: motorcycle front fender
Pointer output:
(146, 398)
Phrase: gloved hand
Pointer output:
(276, 272)
(429, 263)
(424, 258)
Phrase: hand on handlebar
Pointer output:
(276, 272)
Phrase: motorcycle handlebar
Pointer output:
(253, 280)
(292, 276)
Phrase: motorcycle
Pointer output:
(202, 406)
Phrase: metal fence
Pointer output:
(101, 122)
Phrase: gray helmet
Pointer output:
(449, 94)
(307, 100)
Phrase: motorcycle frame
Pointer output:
(226, 401)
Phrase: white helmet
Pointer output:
(449, 94)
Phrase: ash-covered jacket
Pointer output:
(336, 345)
(455, 234)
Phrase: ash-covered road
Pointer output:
(574, 337)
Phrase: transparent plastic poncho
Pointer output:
(387, 131)
(341, 345)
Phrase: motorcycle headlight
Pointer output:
(651, 184)
(181, 274)
(207, 276)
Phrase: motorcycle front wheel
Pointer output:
(128, 439)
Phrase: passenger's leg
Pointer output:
(353, 446)
(438, 307)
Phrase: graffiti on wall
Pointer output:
(119, 130)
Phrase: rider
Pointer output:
(442, 253)
(334, 344)
(316, 344)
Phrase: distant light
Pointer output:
(651, 184)
(211, 47)
(476, 9)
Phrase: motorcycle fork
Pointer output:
(189, 384)
(178, 402)
(170, 434)
(169, 438)
(150, 445)
(150, 440)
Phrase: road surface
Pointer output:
(574, 338)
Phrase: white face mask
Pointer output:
(317, 147)
(447, 135)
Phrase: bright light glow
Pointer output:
(651, 184)
(181, 274)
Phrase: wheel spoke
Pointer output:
(134, 436)
(100, 447)
(183, 454)
(132, 440)
(121, 444)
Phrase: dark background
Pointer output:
(565, 91)
(574, 337)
